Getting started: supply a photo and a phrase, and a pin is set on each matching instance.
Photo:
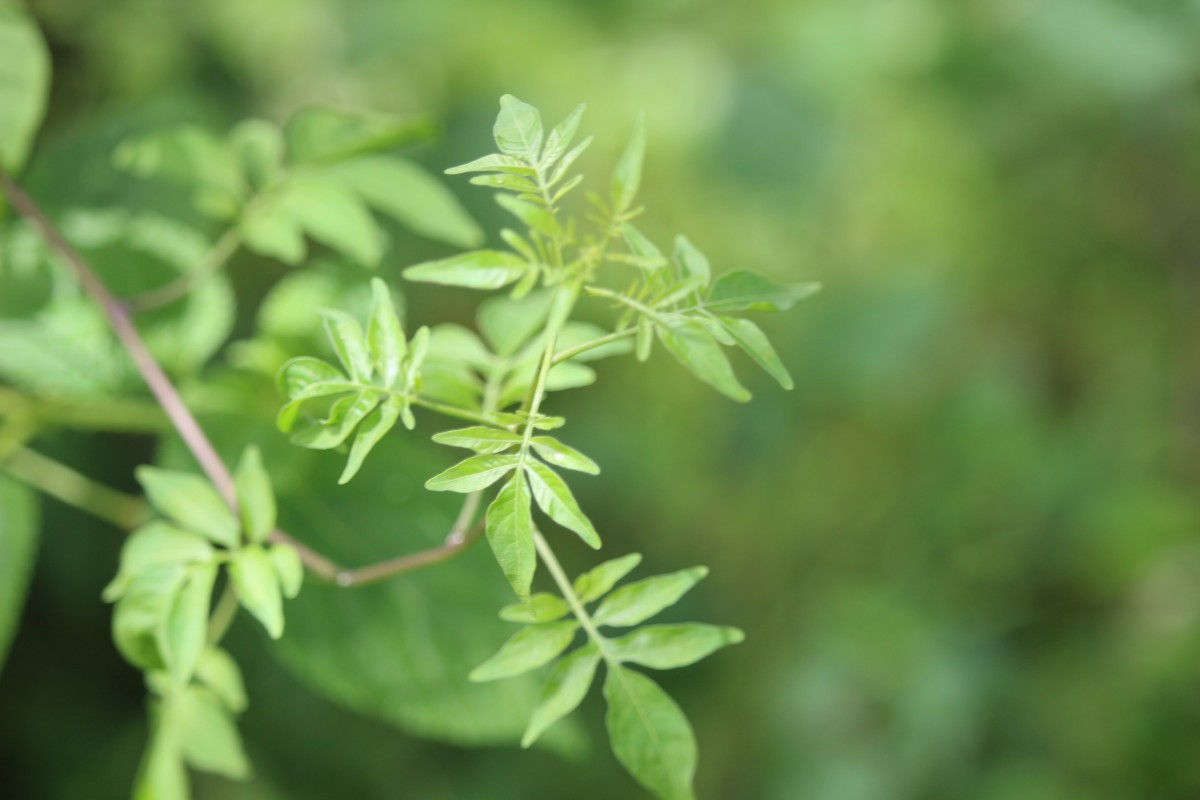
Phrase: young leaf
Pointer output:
(528, 649)
(596, 582)
(256, 499)
(141, 614)
(473, 474)
(385, 340)
(650, 735)
(742, 290)
(671, 646)
(639, 601)
(534, 216)
(272, 231)
(560, 138)
(691, 261)
(257, 585)
(518, 129)
(510, 533)
(494, 163)
(156, 544)
(512, 183)
(695, 349)
(219, 672)
(750, 338)
(541, 607)
(24, 82)
(373, 428)
(480, 439)
(208, 736)
(563, 691)
(568, 160)
(481, 269)
(343, 418)
(181, 639)
(162, 775)
(304, 378)
(507, 324)
(649, 257)
(349, 343)
(288, 568)
(334, 216)
(554, 498)
(558, 454)
(627, 176)
(190, 501)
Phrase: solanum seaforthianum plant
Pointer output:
(319, 178)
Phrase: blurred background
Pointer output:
(964, 549)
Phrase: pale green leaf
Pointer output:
(555, 498)
(335, 216)
(636, 602)
(208, 736)
(327, 135)
(256, 498)
(691, 261)
(494, 163)
(561, 136)
(672, 646)
(343, 417)
(564, 690)
(156, 544)
(220, 673)
(24, 85)
(568, 160)
(161, 774)
(18, 550)
(751, 339)
(182, 638)
(481, 269)
(650, 735)
(649, 257)
(190, 501)
(192, 157)
(528, 649)
(454, 343)
(273, 231)
(141, 614)
(481, 440)
(532, 215)
(288, 568)
(596, 582)
(560, 455)
(518, 129)
(743, 290)
(349, 342)
(473, 474)
(541, 607)
(627, 176)
(373, 428)
(695, 349)
(257, 586)
(507, 324)
(385, 340)
(258, 147)
(512, 183)
(510, 534)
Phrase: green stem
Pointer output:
(571, 352)
(568, 592)
(77, 490)
(223, 615)
(213, 263)
(123, 416)
(452, 411)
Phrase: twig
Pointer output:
(75, 489)
(169, 292)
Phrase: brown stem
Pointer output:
(189, 429)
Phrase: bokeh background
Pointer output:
(965, 549)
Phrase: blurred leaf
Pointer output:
(334, 216)
(528, 649)
(507, 324)
(518, 129)
(494, 163)
(695, 349)
(156, 544)
(140, 616)
(672, 646)
(273, 231)
(190, 501)
(161, 775)
(256, 498)
(596, 582)
(541, 607)
(742, 290)
(191, 157)
(563, 691)
(480, 439)
(183, 638)
(561, 136)
(532, 215)
(692, 263)
(253, 575)
(288, 568)
(650, 735)
(208, 735)
(754, 342)
(220, 673)
(481, 269)
(555, 499)
(627, 177)
(639, 601)
(24, 85)
(328, 135)
(18, 551)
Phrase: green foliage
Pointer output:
(18, 550)
(24, 79)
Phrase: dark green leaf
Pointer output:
(596, 582)
(555, 498)
(650, 735)
(257, 585)
(528, 649)
(639, 601)
(473, 474)
(563, 691)
(672, 646)
(190, 501)
(481, 269)
(510, 533)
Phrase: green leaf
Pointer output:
(649, 257)
(183, 636)
(481, 269)
(650, 735)
(751, 339)
(374, 427)
(454, 343)
(306, 378)
(480, 439)
(161, 775)
(334, 216)
(24, 85)
(411, 196)
(141, 614)
(528, 649)
(555, 498)
(639, 601)
(385, 340)
(273, 231)
(190, 501)
(627, 176)
(533, 216)
(494, 163)
(256, 498)
(568, 160)
(518, 129)
(257, 584)
(327, 135)
(560, 137)
(473, 474)
(743, 290)
(258, 147)
(645, 338)
(695, 349)
(563, 691)
(507, 324)
(156, 544)
(343, 417)
(691, 261)
(192, 157)
(672, 646)
(510, 533)
(288, 568)
(208, 736)
(512, 183)
(558, 454)
(541, 607)
(596, 582)
(349, 343)
(18, 551)
(220, 673)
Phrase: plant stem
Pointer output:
(223, 615)
(568, 592)
(214, 261)
(453, 411)
(117, 415)
(75, 489)
(571, 352)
